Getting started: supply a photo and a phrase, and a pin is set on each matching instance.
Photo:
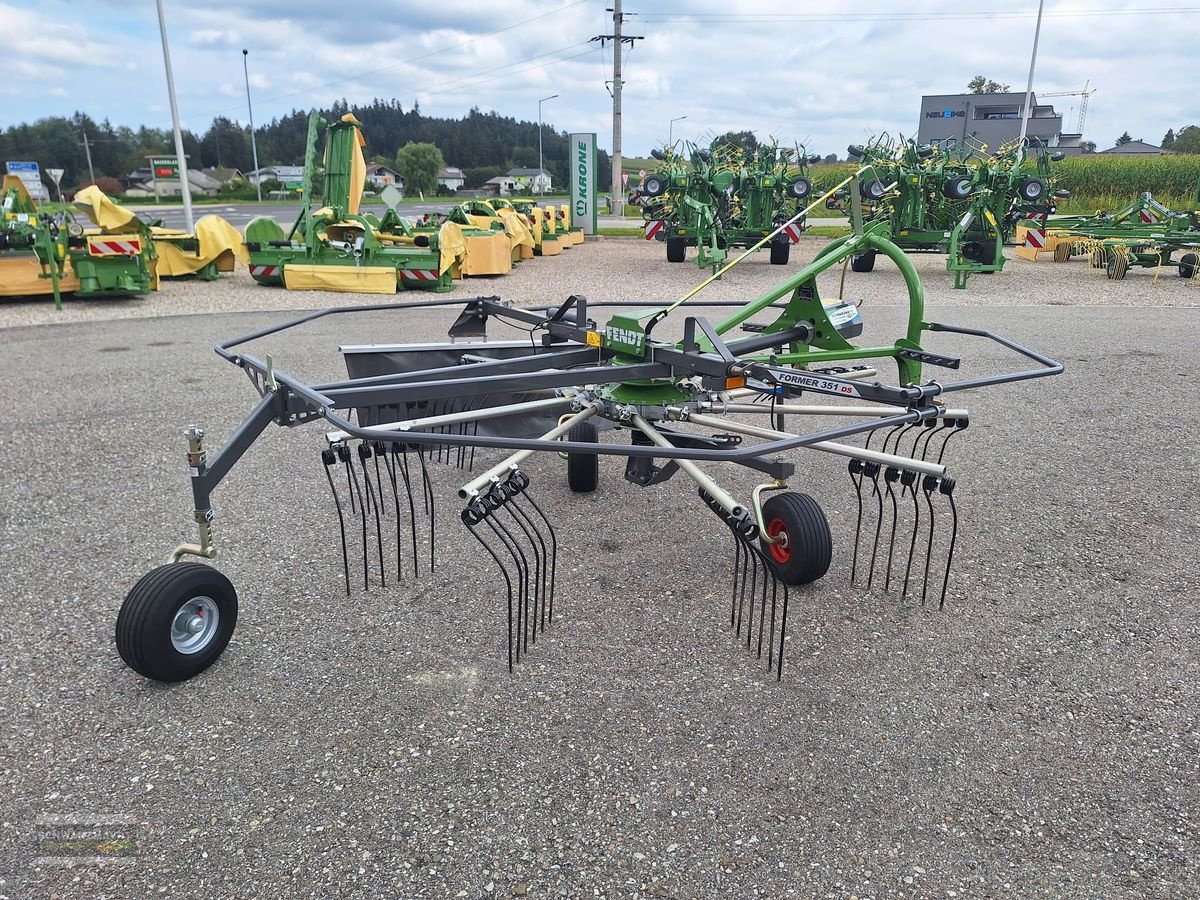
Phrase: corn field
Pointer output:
(1096, 181)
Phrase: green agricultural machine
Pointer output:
(50, 252)
(339, 248)
(721, 197)
(949, 199)
(1145, 234)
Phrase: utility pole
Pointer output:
(88, 150)
(619, 40)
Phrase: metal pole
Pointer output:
(185, 187)
(671, 130)
(541, 184)
(88, 150)
(618, 199)
(1025, 113)
(250, 109)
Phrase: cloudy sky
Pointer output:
(826, 78)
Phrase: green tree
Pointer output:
(981, 85)
(1168, 141)
(419, 164)
(1087, 146)
(1188, 140)
(744, 139)
(1124, 138)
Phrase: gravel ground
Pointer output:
(1038, 738)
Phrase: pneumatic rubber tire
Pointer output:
(807, 548)
(676, 250)
(1031, 189)
(863, 262)
(583, 469)
(1062, 252)
(1188, 264)
(1117, 266)
(799, 189)
(780, 252)
(958, 188)
(151, 632)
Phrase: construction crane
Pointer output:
(1083, 103)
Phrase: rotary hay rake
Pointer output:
(953, 199)
(724, 393)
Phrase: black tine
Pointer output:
(856, 479)
(553, 553)
(509, 507)
(873, 471)
(890, 477)
(749, 575)
(345, 458)
(507, 581)
(958, 426)
(427, 490)
(378, 449)
(389, 466)
(364, 450)
(362, 515)
(737, 572)
(782, 633)
(523, 593)
(950, 552)
(928, 487)
(329, 460)
(436, 411)
(539, 622)
(501, 533)
(412, 509)
(762, 606)
(771, 634)
(909, 481)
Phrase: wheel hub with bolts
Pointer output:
(194, 625)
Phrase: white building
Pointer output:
(452, 178)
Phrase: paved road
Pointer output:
(1038, 738)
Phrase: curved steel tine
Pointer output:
(553, 552)
(389, 465)
(739, 572)
(364, 449)
(362, 515)
(378, 449)
(328, 460)
(856, 468)
(929, 546)
(762, 606)
(429, 507)
(402, 471)
(509, 507)
(519, 560)
(874, 472)
(950, 552)
(782, 633)
(507, 583)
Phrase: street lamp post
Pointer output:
(671, 130)
(541, 184)
(250, 109)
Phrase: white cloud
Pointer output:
(830, 75)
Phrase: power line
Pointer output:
(753, 18)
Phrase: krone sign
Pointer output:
(581, 173)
